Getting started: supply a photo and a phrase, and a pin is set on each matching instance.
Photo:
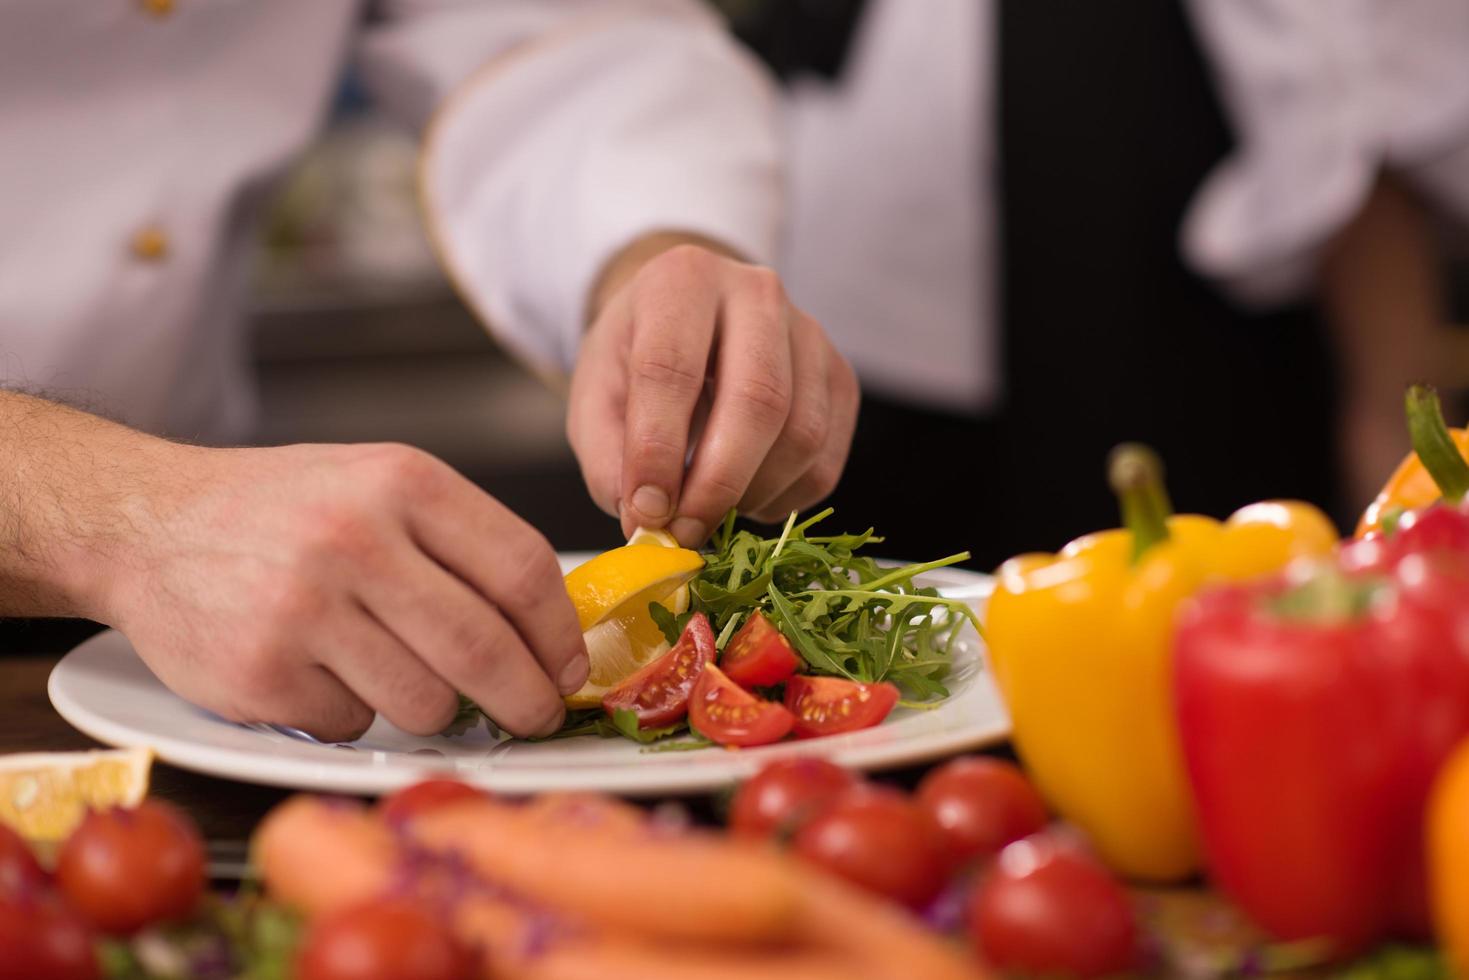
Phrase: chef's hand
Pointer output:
(683, 335)
(309, 585)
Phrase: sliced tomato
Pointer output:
(659, 693)
(758, 655)
(832, 705)
(730, 715)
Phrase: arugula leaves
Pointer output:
(845, 615)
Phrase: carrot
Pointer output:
(693, 887)
(320, 857)
(836, 916)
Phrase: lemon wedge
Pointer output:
(44, 795)
(611, 593)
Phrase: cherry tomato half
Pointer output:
(980, 805)
(20, 872)
(758, 655)
(429, 794)
(784, 793)
(722, 710)
(383, 940)
(832, 705)
(39, 937)
(1048, 909)
(123, 869)
(879, 840)
(659, 692)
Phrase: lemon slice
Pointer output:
(611, 593)
(43, 795)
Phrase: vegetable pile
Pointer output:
(793, 634)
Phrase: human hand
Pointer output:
(691, 337)
(312, 585)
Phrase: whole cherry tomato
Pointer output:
(20, 872)
(1048, 909)
(399, 807)
(981, 804)
(784, 793)
(40, 937)
(125, 869)
(383, 940)
(879, 840)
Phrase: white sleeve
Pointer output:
(1323, 96)
(558, 131)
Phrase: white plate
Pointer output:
(106, 691)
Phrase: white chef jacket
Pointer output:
(137, 138)
(887, 227)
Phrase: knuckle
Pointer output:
(765, 398)
(664, 366)
(260, 678)
(806, 432)
(427, 709)
(764, 284)
(398, 471)
(683, 261)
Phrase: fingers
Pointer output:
(820, 479)
(595, 418)
(805, 435)
(465, 641)
(675, 308)
(381, 671)
(752, 402)
(299, 694)
(502, 561)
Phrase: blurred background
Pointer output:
(1105, 121)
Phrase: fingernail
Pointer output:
(573, 676)
(689, 531)
(651, 501)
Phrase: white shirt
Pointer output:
(138, 137)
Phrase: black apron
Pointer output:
(1107, 125)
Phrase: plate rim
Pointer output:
(373, 776)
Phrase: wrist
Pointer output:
(625, 264)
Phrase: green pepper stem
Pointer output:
(1136, 475)
(1436, 449)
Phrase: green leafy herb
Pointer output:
(622, 724)
(671, 625)
(845, 615)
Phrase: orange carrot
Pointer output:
(320, 857)
(691, 887)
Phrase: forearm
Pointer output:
(75, 492)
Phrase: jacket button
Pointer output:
(158, 8)
(149, 244)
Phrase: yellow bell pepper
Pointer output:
(1080, 643)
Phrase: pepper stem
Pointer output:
(1136, 475)
(1436, 449)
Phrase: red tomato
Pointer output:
(429, 794)
(980, 805)
(659, 693)
(383, 940)
(784, 793)
(725, 712)
(39, 937)
(879, 840)
(20, 873)
(758, 655)
(1048, 909)
(125, 869)
(831, 705)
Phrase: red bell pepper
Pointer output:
(1315, 710)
